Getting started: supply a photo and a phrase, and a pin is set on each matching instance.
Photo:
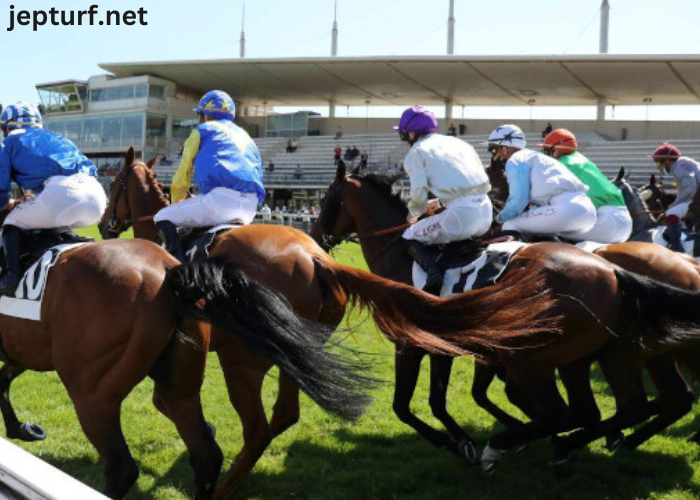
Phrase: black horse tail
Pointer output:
(666, 314)
(264, 321)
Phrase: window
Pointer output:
(183, 128)
(155, 130)
(156, 92)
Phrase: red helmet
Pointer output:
(664, 152)
(560, 140)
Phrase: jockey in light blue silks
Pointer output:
(450, 169)
(67, 193)
(227, 170)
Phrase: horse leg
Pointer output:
(576, 378)
(286, 410)
(407, 366)
(440, 371)
(100, 420)
(244, 385)
(626, 382)
(483, 376)
(178, 380)
(674, 402)
(13, 427)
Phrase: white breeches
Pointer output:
(218, 206)
(566, 215)
(680, 210)
(462, 219)
(66, 201)
(614, 225)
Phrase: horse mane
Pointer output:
(384, 185)
(155, 184)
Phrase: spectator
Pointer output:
(266, 212)
(316, 209)
(354, 153)
(338, 132)
(298, 172)
(348, 154)
(270, 167)
(462, 129)
(294, 145)
(452, 130)
(284, 209)
(337, 152)
(363, 161)
(548, 130)
(289, 146)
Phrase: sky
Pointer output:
(302, 28)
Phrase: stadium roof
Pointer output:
(467, 80)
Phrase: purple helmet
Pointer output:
(417, 120)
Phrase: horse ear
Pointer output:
(151, 162)
(340, 172)
(355, 171)
(130, 157)
(620, 175)
(652, 179)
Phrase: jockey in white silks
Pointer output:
(227, 170)
(450, 169)
(613, 222)
(559, 205)
(686, 173)
(63, 180)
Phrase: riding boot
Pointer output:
(11, 242)
(169, 235)
(673, 231)
(426, 256)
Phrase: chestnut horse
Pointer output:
(366, 206)
(675, 397)
(291, 263)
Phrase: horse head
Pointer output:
(134, 196)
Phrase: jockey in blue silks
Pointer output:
(227, 170)
(64, 181)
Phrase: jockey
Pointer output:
(613, 224)
(686, 173)
(450, 169)
(67, 193)
(561, 207)
(227, 170)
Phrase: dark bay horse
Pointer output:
(675, 397)
(365, 205)
(291, 263)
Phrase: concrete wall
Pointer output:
(636, 130)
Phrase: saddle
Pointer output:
(35, 242)
(197, 241)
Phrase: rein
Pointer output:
(114, 222)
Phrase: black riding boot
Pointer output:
(425, 256)
(173, 244)
(11, 242)
(673, 231)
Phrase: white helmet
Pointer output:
(507, 135)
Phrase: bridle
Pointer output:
(115, 223)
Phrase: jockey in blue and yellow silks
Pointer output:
(227, 170)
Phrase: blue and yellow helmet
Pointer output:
(21, 114)
(217, 103)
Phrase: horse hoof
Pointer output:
(488, 467)
(29, 432)
(212, 429)
(614, 442)
(467, 450)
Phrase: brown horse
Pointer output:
(294, 265)
(109, 318)
(365, 205)
(675, 397)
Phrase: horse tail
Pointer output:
(471, 322)
(666, 314)
(264, 321)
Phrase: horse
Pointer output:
(365, 206)
(318, 289)
(675, 397)
(655, 195)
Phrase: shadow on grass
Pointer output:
(374, 467)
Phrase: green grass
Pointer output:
(375, 458)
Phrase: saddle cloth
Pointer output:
(29, 295)
(480, 267)
(197, 243)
